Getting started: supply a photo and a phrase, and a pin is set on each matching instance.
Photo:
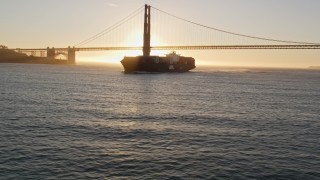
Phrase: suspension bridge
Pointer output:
(202, 38)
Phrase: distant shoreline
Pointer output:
(314, 67)
(10, 56)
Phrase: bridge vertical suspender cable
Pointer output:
(79, 46)
(232, 33)
(111, 28)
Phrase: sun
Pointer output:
(135, 39)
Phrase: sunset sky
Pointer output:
(62, 23)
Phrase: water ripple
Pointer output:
(71, 122)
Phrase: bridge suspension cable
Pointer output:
(236, 34)
(111, 28)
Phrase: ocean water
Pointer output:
(77, 122)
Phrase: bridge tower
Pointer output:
(71, 55)
(147, 31)
(51, 53)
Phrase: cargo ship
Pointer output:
(170, 63)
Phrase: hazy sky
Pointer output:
(60, 23)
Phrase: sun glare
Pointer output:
(135, 39)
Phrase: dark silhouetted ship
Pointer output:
(170, 63)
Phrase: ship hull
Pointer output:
(157, 64)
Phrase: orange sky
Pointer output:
(36, 24)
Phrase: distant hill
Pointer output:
(10, 56)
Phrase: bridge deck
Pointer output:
(316, 46)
